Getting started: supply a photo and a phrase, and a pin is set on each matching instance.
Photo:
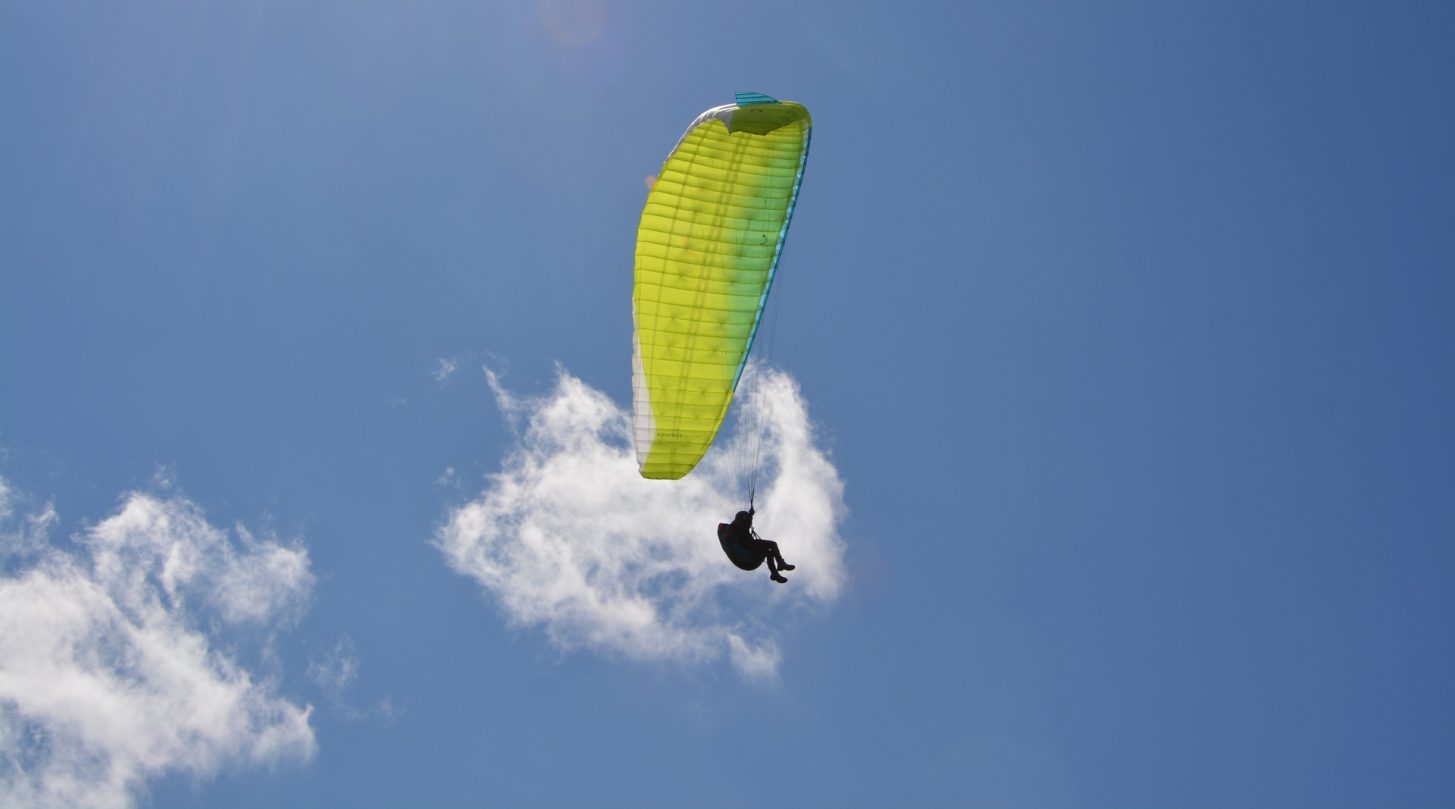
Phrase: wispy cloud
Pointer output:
(337, 670)
(570, 538)
(120, 661)
(335, 674)
(23, 537)
(445, 368)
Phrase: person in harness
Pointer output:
(747, 550)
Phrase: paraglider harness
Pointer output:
(744, 557)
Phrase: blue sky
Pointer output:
(1126, 331)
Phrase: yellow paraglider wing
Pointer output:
(707, 250)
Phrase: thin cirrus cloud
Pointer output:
(568, 537)
(120, 658)
(335, 673)
(444, 368)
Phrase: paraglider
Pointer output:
(708, 245)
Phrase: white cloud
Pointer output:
(164, 477)
(25, 537)
(445, 368)
(570, 538)
(337, 670)
(120, 660)
(335, 675)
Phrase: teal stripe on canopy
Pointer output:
(745, 98)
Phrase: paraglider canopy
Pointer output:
(708, 245)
